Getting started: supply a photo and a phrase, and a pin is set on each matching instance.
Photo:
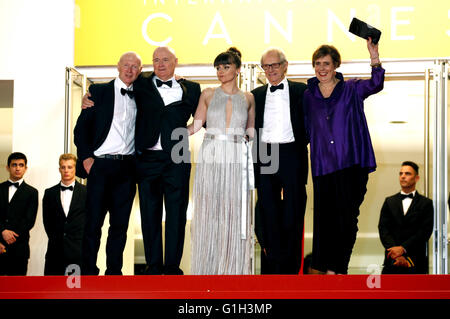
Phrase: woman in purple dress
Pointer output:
(341, 154)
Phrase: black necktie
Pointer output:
(410, 195)
(64, 188)
(129, 92)
(16, 184)
(273, 88)
(159, 83)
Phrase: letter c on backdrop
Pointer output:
(145, 27)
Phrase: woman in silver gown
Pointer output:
(221, 233)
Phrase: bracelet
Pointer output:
(376, 65)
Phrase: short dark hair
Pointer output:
(413, 165)
(16, 156)
(325, 50)
(231, 56)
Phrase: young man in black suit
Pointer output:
(18, 209)
(104, 136)
(406, 224)
(64, 212)
(163, 159)
(281, 168)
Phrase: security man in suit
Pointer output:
(406, 224)
(104, 136)
(64, 212)
(18, 209)
(281, 168)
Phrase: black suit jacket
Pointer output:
(154, 118)
(65, 234)
(296, 90)
(411, 230)
(94, 123)
(19, 215)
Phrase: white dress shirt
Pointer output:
(12, 189)
(407, 201)
(66, 197)
(277, 127)
(169, 96)
(120, 138)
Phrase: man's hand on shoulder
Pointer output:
(86, 102)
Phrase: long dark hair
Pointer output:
(231, 56)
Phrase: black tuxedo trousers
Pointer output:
(111, 187)
(282, 220)
(160, 179)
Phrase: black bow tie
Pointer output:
(159, 83)
(64, 188)
(410, 195)
(273, 88)
(16, 184)
(129, 92)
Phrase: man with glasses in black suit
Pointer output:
(281, 168)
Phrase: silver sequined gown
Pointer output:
(221, 235)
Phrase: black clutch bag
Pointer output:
(364, 30)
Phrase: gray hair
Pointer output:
(278, 51)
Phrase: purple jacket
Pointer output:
(336, 126)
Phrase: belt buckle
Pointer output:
(112, 156)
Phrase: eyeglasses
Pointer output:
(273, 66)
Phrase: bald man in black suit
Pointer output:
(104, 136)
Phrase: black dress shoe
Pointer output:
(173, 271)
(153, 270)
(110, 272)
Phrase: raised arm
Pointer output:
(375, 84)
(373, 51)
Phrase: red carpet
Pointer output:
(228, 287)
